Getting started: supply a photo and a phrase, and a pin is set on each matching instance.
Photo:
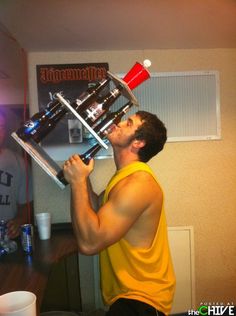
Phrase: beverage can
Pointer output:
(2, 251)
(27, 238)
(3, 230)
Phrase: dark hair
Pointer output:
(3, 114)
(153, 132)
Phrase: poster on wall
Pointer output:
(71, 80)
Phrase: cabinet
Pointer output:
(63, 288)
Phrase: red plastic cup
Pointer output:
(137, 74)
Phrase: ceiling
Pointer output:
(80, 25)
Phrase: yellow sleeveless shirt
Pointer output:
(144, 274)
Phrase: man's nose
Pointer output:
(120, 123)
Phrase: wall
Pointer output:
(198, 177)
(12, 64)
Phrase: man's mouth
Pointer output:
(112, 128)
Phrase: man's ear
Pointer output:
(139, 143)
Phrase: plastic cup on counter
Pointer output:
(43, 221)
(18, 303)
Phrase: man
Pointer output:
(129, 229)
(13, 195)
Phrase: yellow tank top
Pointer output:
(144, 274)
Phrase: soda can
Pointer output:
(2, 251)
(3, 230)
(27, 238)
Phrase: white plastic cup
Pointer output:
(19, 303)
(43, 221)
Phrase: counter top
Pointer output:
(22, 272)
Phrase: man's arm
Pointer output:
(21, 218)
(93, 197)
(96, 231)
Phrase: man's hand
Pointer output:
(75, 169)
(13, 228)
(23, 217)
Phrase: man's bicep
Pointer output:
(118, 215)
(93, 196)
(100, 198)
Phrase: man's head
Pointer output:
(153, 133)
(143, 132)
(2, 128)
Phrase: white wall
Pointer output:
(14, 64)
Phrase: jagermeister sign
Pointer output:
(71, 80)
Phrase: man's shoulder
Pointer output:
(7, 155)
(141, 176)
(11, 158)
(139, 181)
(9, 152)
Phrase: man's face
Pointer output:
(2, 130)
(123, 134)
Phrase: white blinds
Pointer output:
(187, 102)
